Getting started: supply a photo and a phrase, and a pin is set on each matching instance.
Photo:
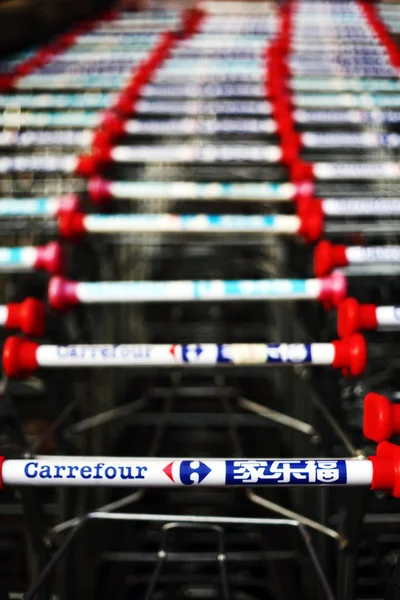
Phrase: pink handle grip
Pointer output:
(62, 293)
(28, 316)
(68, 203)
(99, 191)
(381, 418)
(333, 290)
(353, 316)
(51, 258)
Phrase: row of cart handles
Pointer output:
(22, 357)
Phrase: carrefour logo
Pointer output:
(187, 472)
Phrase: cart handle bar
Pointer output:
(380, 472)
(22, 358)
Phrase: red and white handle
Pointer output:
(63, 471)
(38, 207)
(101, 191)
(353, 317)
(308, 225)
(49, 257)
(64, 294)
(354, 207)
(328, 256)
(380, 472)
(21, 358)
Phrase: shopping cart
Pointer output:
(177, 284)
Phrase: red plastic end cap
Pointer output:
(101, 139)
(134, 87)
(285, 126)
(152, 62)
(350, 355)
(311, 224)
(124, 105)
(140, 77)
(191, 20)
(2, 459)
(274, 50)
(290, 146)
(275, 86)
(159, 54)
(278, 66)
(281, 108)
(66, 40)
(304, 205)
(145, 72)
(386, 469)
(90, 164)
(71, 226)
(380, 422)
(333, 290)
(112, 124)
(328, 256)
(284, 40)
(99, 191)
(86, 166)
(103, 156)
(7, 82)
(43, 57)
(28, 316)
(383, 36)
(51, 258)
(62, 293)
(26, 68)
(353, 317)
(19, 358)
(168, 38)
(284, 102)
(304, 189)
(68, 203)
(301, 171)
(394, 55)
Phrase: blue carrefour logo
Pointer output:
(193, 471)
(187, 472)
